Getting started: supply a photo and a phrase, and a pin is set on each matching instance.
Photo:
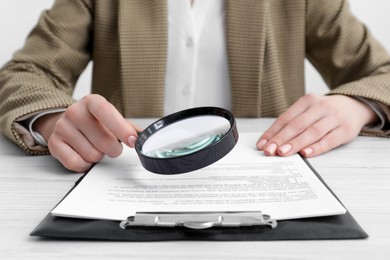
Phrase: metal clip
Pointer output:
(199, 220)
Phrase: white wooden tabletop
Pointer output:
(359, 174)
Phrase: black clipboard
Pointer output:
(317, 228)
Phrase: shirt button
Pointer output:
(189, 42)
(186, 90)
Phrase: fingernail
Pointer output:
(261, 143)
(307, 151)
(271, 149)
(131, 141)
(285, 148)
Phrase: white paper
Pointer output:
(244, 180)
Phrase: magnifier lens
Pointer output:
(186, 136)
(185, 149)
(187, 140)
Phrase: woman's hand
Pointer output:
(86, 132)
(316, 124)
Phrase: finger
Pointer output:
(110, 117)
(68, 157)
(135, 126)
(328, 142)
(295, 110)
(304, 123)
(82, 145)
(312, 134)
(99, 139)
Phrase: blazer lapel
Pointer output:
(246, 39)
(143, 47)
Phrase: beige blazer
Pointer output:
(267, 43)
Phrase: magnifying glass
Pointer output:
(187, 140)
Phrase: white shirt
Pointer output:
(197, 68)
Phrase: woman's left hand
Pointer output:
(316, 124)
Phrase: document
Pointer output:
(244, 180)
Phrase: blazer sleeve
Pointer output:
(347, 56)
(42, 75)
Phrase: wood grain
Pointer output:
(359, 174)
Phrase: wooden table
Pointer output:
(359, 173)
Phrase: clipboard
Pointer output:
(316, 228)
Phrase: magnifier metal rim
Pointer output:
(197, 159)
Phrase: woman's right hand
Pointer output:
(86, 132)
